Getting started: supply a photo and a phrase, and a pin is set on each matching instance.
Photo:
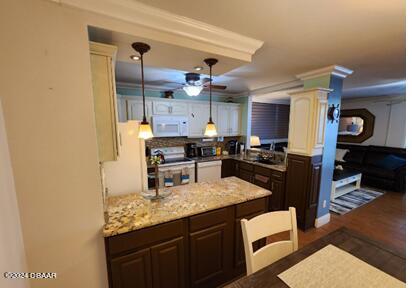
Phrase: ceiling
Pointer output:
(366, 36)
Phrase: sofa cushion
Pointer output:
(354, 156)
(380, 172)
(391, 162)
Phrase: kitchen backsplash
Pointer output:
(182, 141)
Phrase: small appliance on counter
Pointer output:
(191, 150)
(207, 151)
(233, 146)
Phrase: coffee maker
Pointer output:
(191, 150)
(233, 146)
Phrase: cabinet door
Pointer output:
(235, 121)
(277, 199)
(228, 168)
(246, 175)
(211, 250)
(168, 264)
(198, 117)
(135, 110)
(161, 108)
(178, 108)
(132, 270)
(223, 117)
(104, 106)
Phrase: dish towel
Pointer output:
(185, 176)
(168, 178)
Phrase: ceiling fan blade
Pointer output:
(217, 87)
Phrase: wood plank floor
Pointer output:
(383, 219)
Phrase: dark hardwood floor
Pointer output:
(383, 219)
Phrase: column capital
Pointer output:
(334, 70)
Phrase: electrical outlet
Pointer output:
(324, 204)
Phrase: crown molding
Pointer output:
(277, 87)
(335, 70)
(162, 20)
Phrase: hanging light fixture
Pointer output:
(145, 131)
(192, 90)
(210, 130)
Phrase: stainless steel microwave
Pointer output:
(170, 126)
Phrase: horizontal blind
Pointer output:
(270, 121)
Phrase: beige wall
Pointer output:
(48, 109)
(12, 255)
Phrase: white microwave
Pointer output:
(170, 126)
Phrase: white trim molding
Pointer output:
(335, 70)
(173, 24)
(322, 220)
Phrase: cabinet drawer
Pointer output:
(246, 166)
(262, 181)
(278, 174)
(144, 237)
(205, 220)
(245, 175)
(251, 207)
(263, 171)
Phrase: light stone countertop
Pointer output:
(132, 212)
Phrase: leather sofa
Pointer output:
(381, 167)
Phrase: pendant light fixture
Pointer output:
(210, 130)
(145, 131)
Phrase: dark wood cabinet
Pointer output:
(246, 210)
(168, 264)
(132, 270)
(246, 175)
(229, 168)
(204, 250)
(277, 200)
(303, 180)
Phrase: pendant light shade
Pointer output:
(210, 130)
(145, 131)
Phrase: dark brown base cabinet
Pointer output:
(204, 250)
(270, 179)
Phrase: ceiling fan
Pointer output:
(194, 84)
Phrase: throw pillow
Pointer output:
(340, 153)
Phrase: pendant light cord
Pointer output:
(210, 93)
(144, 102)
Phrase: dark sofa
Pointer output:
(381, 167)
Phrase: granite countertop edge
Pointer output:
(109, 232)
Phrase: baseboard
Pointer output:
(322, 220)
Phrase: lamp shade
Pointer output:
(254, 141)
(210, 130)
(193, 90)
(145, 131)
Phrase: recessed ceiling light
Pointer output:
(198, 68)
(135, 57)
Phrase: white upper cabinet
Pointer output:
(229, 119)
(135, 109)
(198, 118)
(169, 108)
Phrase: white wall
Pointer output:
(12, 254)
(390, 119)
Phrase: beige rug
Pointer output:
(332, 267)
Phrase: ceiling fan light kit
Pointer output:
(210, 130)
(192, 90)
(145, 131)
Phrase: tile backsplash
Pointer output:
(182, 141)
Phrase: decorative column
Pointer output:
(312, 145)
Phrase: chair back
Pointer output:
(265, 225)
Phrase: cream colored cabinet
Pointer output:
(198, 118)
(102, 59)
(229, 117)
(170, 108)
(135, 109)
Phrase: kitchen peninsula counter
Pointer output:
(132, 212)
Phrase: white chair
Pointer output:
(265, 225)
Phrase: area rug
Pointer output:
(352, 200)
